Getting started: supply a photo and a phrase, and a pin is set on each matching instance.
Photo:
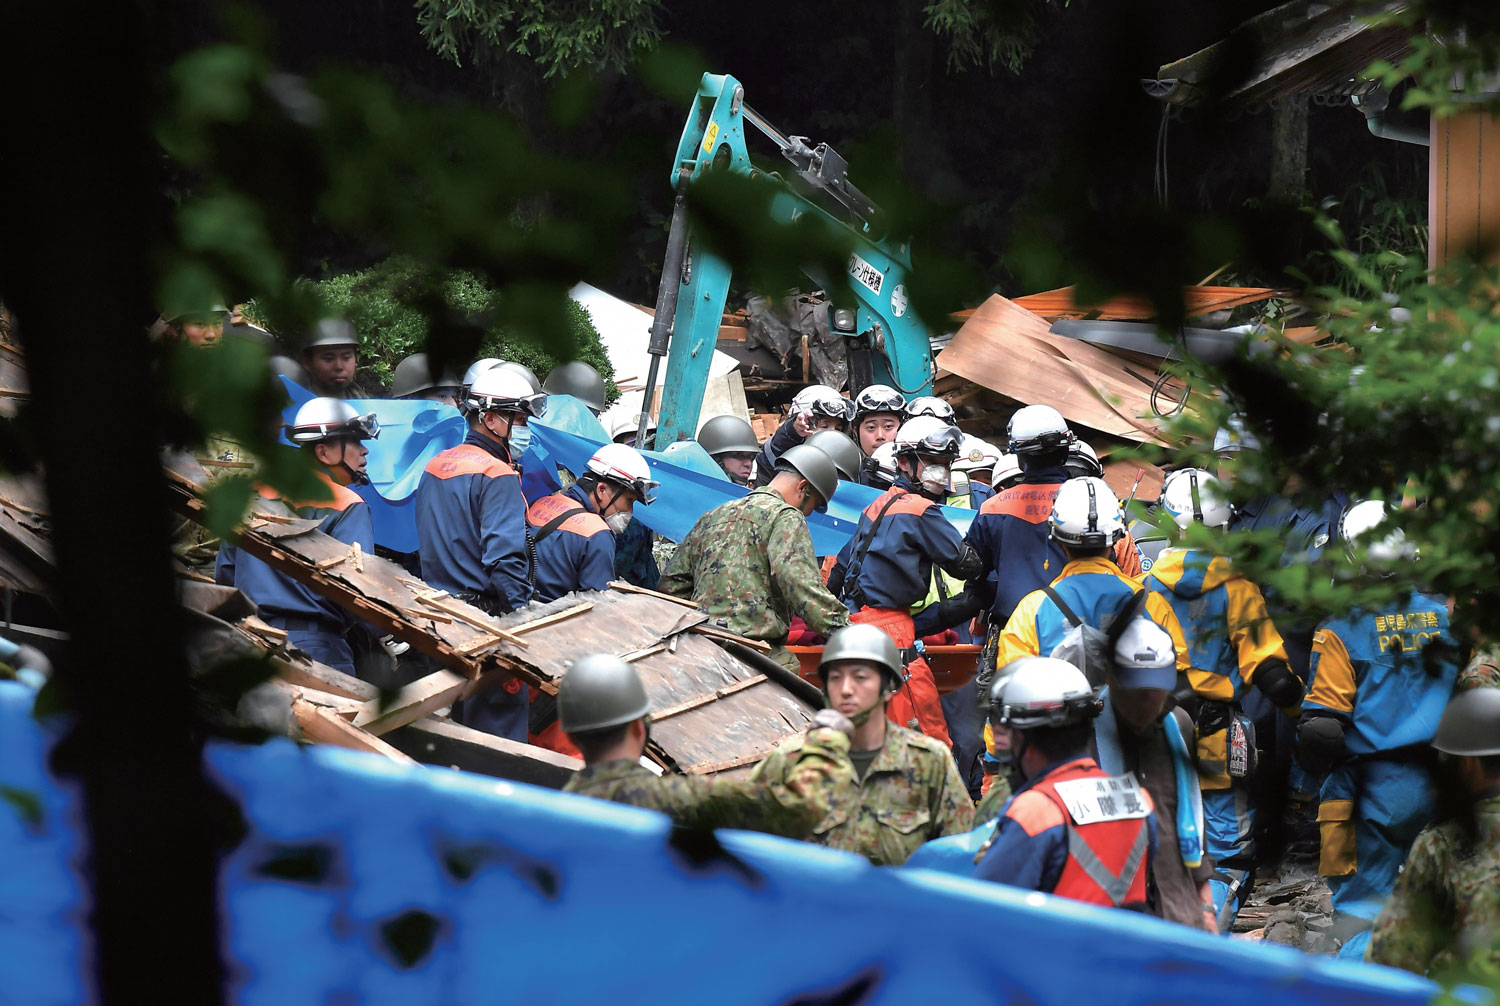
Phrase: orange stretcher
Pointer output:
(952, 666)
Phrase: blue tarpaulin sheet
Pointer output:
(413, 432)
(535, 896)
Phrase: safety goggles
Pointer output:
(879, 400)
(644, 489)
(365, 427)
(929, 406)
(834, 407)
(938, 444)
(532, 405)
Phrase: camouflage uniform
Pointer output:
(1482, 672)
(994, 801)
(750, 563)
(1445, 910)
(195, 545)
(911, 794)
(791, 805)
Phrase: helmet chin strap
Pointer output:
(356, 478)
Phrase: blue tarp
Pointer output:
(536, 896)
(413, 432)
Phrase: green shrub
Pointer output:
(392, 305)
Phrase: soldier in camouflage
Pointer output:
(909, 789)
(1445, 909)
(606, 714)
(1483, 671)
(750, 563)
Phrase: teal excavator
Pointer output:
(885, 342)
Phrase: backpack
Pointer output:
(1091, 649)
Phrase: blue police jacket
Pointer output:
(634, 561)
(471, 522)
(347, 519)
(895, 571)
(1010, 534)
(579, 553)
(1374, 670)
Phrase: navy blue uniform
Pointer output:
(313, 624)
(471, 522)
(577, 554)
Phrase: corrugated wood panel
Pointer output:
(1009, 350)
(1464, 187)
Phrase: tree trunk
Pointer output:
(1288, 152)
(80, 193)
(911, 93)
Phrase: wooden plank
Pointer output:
(708, 768)
(323, 725)
(416, 700)
(321, 677)
(718, 632)
(631, 588)
(552, 619)
(642, 653)
(439, 742)
(442, 603)
(657, 715)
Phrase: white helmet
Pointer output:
(1192, 494)
(1086, 514)
(974, 455)
(325, 418)
(476, 368)
(1036, 429)
(1360, 521)
(821, 400)
(1007, 472)
(929, 405)
(625, 467)
(1082, 461)
(1145, 656)
(1041, 692)
(885, 464)
(500, 389)
(1234, 437)
(928, 435)
(629, 422)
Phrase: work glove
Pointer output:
(1280, 684)
(1320, 743)
(959, 609)
(393, 646)
(832, 719)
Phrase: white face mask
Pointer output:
(618, 522)
(520, 439)
(934, 478)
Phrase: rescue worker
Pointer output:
(414, 379)
(930, 405)
(976, 460)
(1232, 645)
(908, 789)
(1007, 473)
(1482, 671)
(731, 442)
(574, 531)
(1444, 913)
(749, 563)
(335, 435)
(886, 566)
(1082, 462)
(878, 411)
(841, 450)
(196, 327)
(1380, 682)
(471, 523)
(330, 357)
(880, 472)
(816, 407)
(626, 429)
(1089, 591)
(606, 714)
(578, 379)
(1139, 731)
(1071, 829)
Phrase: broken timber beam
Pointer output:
(418, 699)
(324, 726)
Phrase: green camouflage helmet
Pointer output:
(1471, 724)
(866, 643)
(599, 692)
(413, 376)
(838, 446)
(815, 466)
(727, 435)
(578, 379)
